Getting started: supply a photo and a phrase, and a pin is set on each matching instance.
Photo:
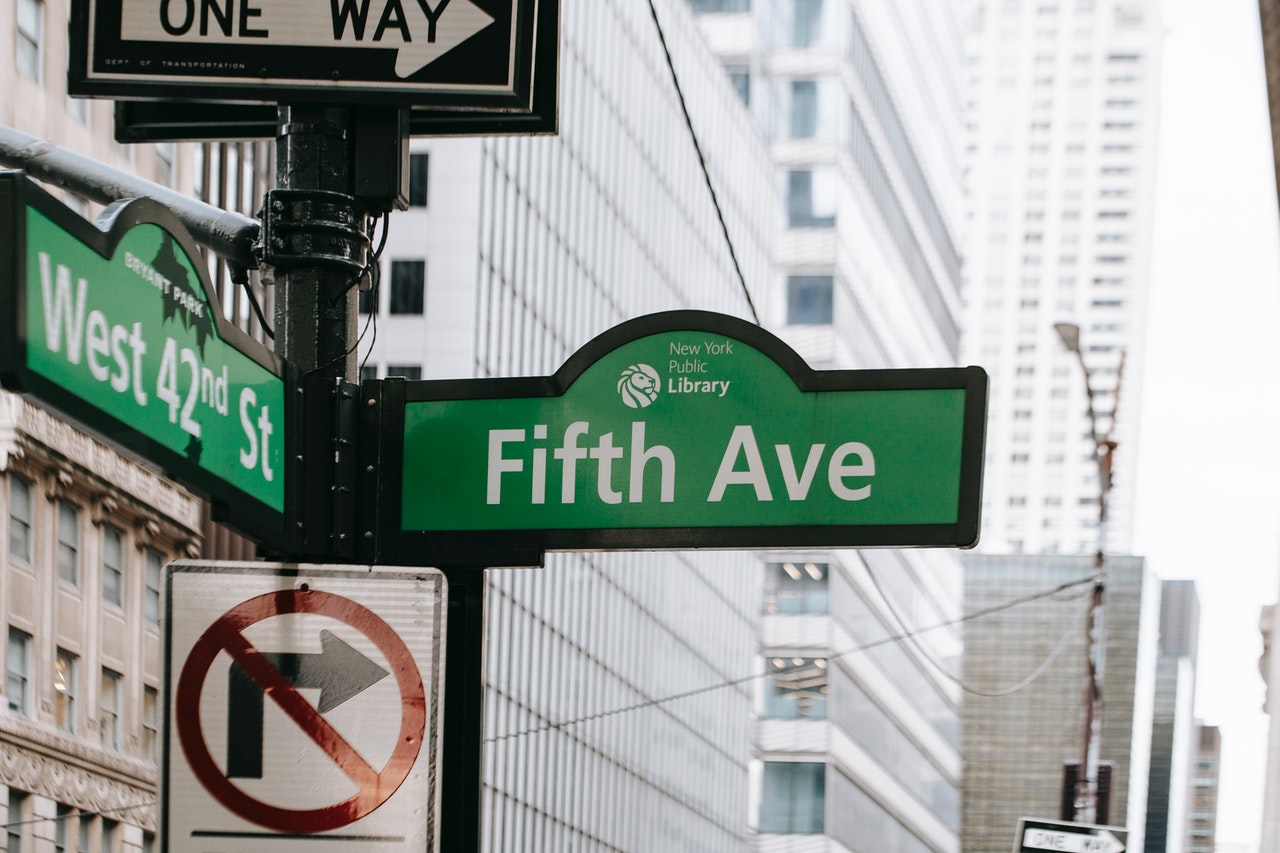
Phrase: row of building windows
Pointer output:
(68, 559)
(74, 831)
(65, 683)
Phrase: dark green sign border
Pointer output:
(230, 503)
(384, 412)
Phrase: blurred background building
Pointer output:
(1062, 126)
(1023, 669)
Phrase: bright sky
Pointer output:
(1208, 502)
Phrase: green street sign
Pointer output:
(680, 430)
(113, 325)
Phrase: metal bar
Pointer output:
(230, 235)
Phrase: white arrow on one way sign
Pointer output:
(419, 30)
(1071, 842)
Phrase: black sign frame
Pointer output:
(239, 510)
(382, 540)
(102, 64)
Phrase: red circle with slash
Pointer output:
(375, 786)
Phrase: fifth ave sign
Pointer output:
(475, 54)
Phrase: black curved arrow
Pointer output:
(339, 672)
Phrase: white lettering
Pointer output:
(640, 457)
(248, 400)
(568, 454)
(497, 464)
(605, 453)
(742, 441)
(58, 312)
(837, 471)
(97, 344)
(798, 487)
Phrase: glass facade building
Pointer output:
(1025, 665)
(857, 738)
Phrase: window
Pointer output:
(417, 180)
(112, 565)
(110, 830)
(804, 109)
(61, 828)
(18, 672)
(408, 281)
(19, 520)
(68, 543)
(722, 5)
(810, 300)
(807, 26)
(64, 691)
(792, 797)
(367, 301)
(795, 587)
(740, 77)
(151, 597)
(109, 710)
(30, 48)
(811, 199)
(407, 371)
(84, 833)
(368, 372)
(796, 688)
(150, 724)
(16, 822)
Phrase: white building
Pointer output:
(617, 717)
(1062, 125)
(862, 110)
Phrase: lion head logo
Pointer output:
(638, 385)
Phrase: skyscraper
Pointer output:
(1061, 131)
(842, 204)
(1062, 126)
(616, 713)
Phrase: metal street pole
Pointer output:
(1087, 790)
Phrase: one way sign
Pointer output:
(457, 54)
(1038, 835)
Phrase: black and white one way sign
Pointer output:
(449, 53)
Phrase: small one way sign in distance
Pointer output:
(1037, 835)
(454, 53)
(302, 707)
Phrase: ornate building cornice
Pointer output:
(29, 432)
(75, 773)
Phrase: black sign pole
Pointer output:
(314, 244)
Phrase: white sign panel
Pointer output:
(1066, 837)
(302, 705)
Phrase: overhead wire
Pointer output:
(734, 682)
(946, 673)
(702, 163)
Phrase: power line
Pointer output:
(957, 680)
(734, 682)
(702, 162)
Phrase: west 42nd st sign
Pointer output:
(685, 430)
(114, 326)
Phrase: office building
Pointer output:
(1062, 122)
(1174, 729)
(856, 743)
(1202, 824)
(616, 713)
(1024, 667)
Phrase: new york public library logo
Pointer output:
(638, 386)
